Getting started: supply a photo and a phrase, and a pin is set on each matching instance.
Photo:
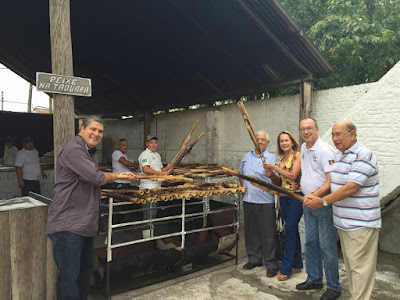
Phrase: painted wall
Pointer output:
(373, 107)
(9, 184)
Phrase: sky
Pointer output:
(15, 91)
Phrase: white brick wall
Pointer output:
(376, 113)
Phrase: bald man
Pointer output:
(356, 207)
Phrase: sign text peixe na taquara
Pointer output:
(61, 84)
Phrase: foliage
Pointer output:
(360, 38)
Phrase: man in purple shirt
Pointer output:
(74, 212)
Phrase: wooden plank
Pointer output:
(38, 243)
(51, 273)
(20, 254)
(5, 263)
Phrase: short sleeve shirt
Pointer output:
(152, 159)
(28, 160)
(117, 166)
(362, 209)
(9, 155)
(252, 166)
(315, 162)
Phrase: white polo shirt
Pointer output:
(315, 162)
(152, 159)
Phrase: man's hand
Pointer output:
(21, 183)
(131, 176)
(312, 201)
(268, 166)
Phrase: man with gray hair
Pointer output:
(74, 212)
(354, 196)
(120, 163)
(259, 209)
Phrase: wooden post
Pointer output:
(5, 261)
(305, 99)
(61, 62)
(146, 132)
(63, 105)
(30, 98)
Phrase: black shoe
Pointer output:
(250, 265)
(272, 272)
(306, 285)
(330, 295)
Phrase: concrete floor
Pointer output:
(227, 281)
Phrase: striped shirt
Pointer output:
(362, 209)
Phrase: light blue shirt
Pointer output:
(252, 166)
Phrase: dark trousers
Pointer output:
(73, 255)
(30, 186)
(260, 233)
(291, 210)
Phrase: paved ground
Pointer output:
(227, 281)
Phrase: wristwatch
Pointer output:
(324, 203)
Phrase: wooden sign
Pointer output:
(61, 84)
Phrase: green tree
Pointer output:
(360, 38)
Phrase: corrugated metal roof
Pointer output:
(149, 55)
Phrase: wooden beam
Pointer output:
(63, 105)
(146, 127)
(305, 99)
(61, 62)
(261, 25)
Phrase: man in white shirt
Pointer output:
(150, 164)
(10, 152)
(317, 158)
(27, 166)
(120, 163)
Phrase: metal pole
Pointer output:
(109, 244)
(2, 101)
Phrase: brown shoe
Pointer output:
(283, 277)
(294, 271)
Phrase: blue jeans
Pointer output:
(291, 210)
(321, 246)
(73, 255)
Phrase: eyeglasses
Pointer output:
(307, 128)
(340, 134)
